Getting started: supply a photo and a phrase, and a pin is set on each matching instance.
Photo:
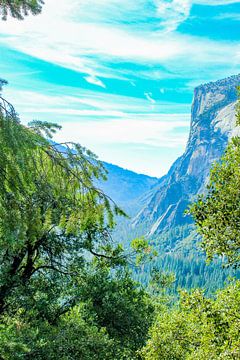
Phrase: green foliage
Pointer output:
(50, 211)
(72, 338)
(20, 8)
(191, 271)
(64, 292)
(143, 251)
(217, 213)
(199, 328)
(120, 306)
(161, 281)
(110, 319)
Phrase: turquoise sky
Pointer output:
(119, 75)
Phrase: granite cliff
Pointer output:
(212, 125)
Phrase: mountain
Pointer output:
(212, 125)
(125, 186)
(162, 219)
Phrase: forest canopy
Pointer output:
(56, 251)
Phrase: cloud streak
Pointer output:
(85, 46)
(117, 129)
(136, 49)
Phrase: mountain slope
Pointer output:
(212, 124)
(125, 186)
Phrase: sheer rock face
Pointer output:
(212, 125)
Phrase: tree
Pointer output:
(50, 212)
(20, 8)
(199, 328)
(109, 321)
(217, 213)
(121, 306)
(64, 291)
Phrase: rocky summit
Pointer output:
(212, 125)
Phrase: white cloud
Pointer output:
(87, 36)
(94, 80)
(173, 12)
(228, 16)
(80, 99)
(215, 2)
(119, 129)
(63, 35)
(126, 131)
(149, 97)
(140, 144)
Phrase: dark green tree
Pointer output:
(50, 212)
(64, 292)
(20, 8)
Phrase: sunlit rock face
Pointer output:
(213, 123)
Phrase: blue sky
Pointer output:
(119, 75)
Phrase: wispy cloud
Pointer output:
(172, 13)
(117, 128)
(145, 131)
(215, 2)
(126, 141)
(94, 80)
(228, 16)
(77, 98)
(120, 49)
(85, 43)
(149, 97)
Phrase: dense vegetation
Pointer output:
(198, 327)
(179, 251)
(66, 291)
(56, 254)
(217, 214)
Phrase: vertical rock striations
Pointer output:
(212, 124)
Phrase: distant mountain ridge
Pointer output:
(212, 125)
(125, 186)
(157, 205)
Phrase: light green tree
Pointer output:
(217, 212)
(200, 328)
(64, 291)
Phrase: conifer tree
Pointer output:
(20, 8)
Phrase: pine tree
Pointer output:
(20, 8)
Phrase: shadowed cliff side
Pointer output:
(212, 124)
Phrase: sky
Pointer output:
(118, 76)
